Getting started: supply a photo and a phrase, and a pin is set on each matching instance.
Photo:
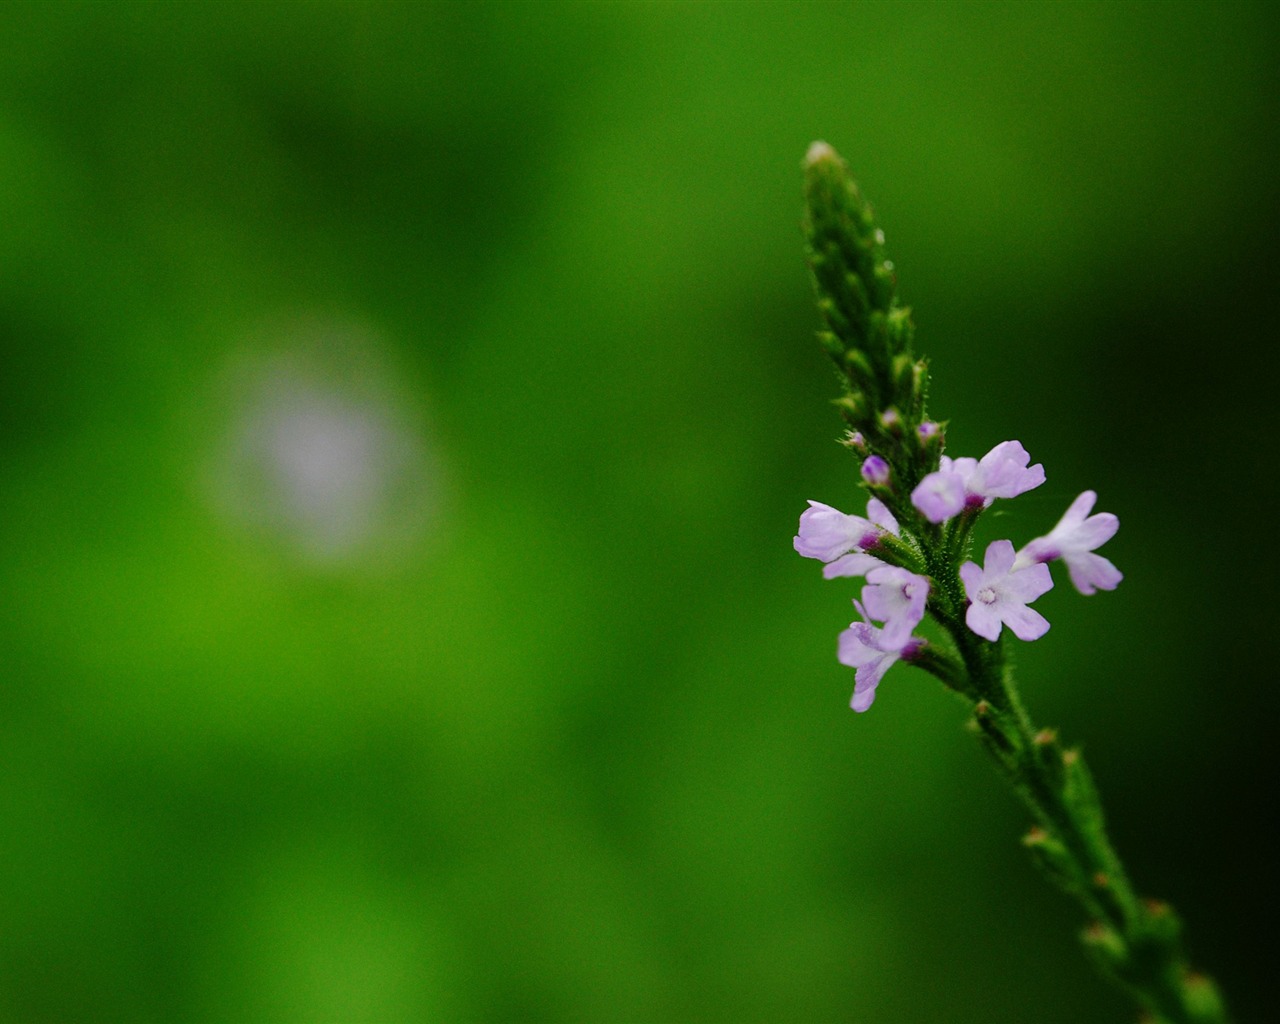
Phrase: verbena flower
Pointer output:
(897, 598)
(842, 540)
(1000, 593)
(863, 647)
(959, 483)
(1074, 540)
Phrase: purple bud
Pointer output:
(928, 430)
(875, 471)
(891, 420)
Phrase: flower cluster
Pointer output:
(898, 592)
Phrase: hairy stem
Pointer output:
(1135, 942)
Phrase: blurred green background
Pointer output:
(405, 411)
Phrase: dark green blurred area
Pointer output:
(540, 720)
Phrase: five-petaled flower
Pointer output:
(863, 647)
(1074, 540)
(999, 594)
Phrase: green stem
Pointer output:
(1135, 942)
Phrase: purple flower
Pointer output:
(875, 470)
(1074, 540)
(897, 598)
(841, 540)
(862, 646)
(1000, 593)
(1002, 473)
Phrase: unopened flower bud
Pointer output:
(854, 439)
(854, 407)
(820, 151)
(875, 471)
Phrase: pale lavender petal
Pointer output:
(999, 558)
(1005, 460)
(891, 574)
(1094, 531)
(971, 575)
(1026, 623)
(939, 496)
(1031, 478)
(898, 620)
(1003, 472)
(882, 601)
(983, 620)
(856, 563)
(1027, 584)
(1090, 572)
(879, 514)
(864, 695)
(853, 647)
(1078, 511)
(871, 674)
(897, 631)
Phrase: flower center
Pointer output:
(987, 595)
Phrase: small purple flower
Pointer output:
(1073, 540)
(841, 540)
(1000, 593)
(875, 471)
(897, 598)
(1002, 473)
(862, 646)
(928, 430)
